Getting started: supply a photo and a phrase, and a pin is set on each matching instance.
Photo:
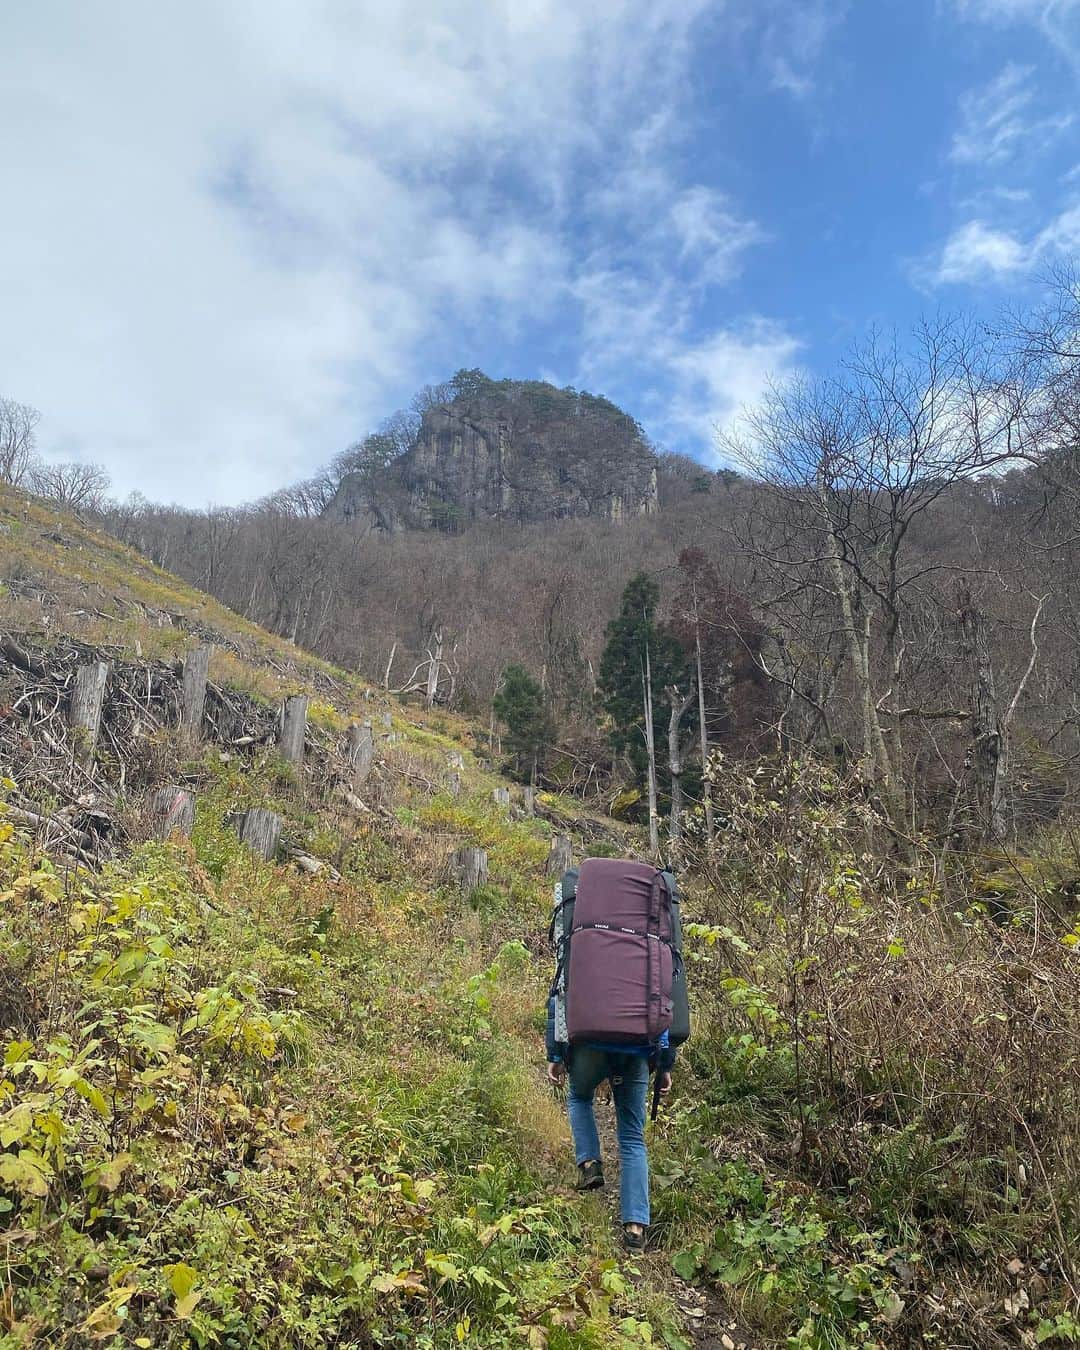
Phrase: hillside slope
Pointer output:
(299, 1102)
(244, 1104)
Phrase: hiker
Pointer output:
(632, 913)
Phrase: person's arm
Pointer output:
(556, 1052)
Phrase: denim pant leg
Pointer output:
(630, 1088)
(588, 1069)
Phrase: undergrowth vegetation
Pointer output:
(238, 1110)
(881, 1138)
(245, 1105)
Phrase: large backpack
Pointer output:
(618, 941)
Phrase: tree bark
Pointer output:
(434, 670)
(469, 867)
(260, 831)
(703, 730)
(989, 751)
(678, 704)
(86, 701)
(650, 750)
(560, 856)
(193, 699)
(293, 726)
(501, 798)
(361, 753)
(173, 811)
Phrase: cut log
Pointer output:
(528, 801)
(307, 862)
(86, 700)
(469, 867)
(173, 811)
(361, 753)
(561, 855)
(293, 727)
(352, 801)
(193, 701)
(260, 830)
(501, 797)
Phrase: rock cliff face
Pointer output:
(508, 450)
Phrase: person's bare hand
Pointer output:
(556, 1072)
(665, 1083)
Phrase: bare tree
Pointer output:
(850, 464)
(18, 440)
(76, 485)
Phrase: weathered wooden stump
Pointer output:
(292, 728)
(387, 720)
(172, 809)
(560, 856)
(361, 752)
(453, 784)
(469, 867)
(86, 700)
(501, 797)
(260, 831)
(528, 801)
(455, 759)
(193, 698)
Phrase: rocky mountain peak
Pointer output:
(512, 450)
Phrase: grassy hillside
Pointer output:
(247, 1106)
(243, 1104)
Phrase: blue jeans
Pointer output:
(629, 1076)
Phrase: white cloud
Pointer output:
(729, 371)
(976, 252)
(241, 229)
(998, 121)
(634, 326)
(1056, 19)
(793, 40)
(709, 234)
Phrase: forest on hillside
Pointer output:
(887, 576)
(841, 679)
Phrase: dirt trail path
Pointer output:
(709, 1323)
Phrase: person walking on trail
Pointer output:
(617, 1010)
(627, 1068)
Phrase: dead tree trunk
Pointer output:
(501, 798)
(560, 856)
(650, 750)
(469, 867)
(193, 700)
(678, 704)
(434, 669)
(361, 753)
(173, 811)
(989, 752)
(528, 801)
(703, 726)
(260, 831)
(86, 700)
(293, 727)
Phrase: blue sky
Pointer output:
(247, 230)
